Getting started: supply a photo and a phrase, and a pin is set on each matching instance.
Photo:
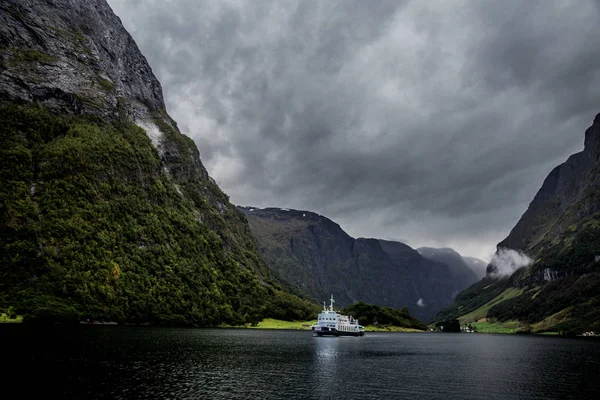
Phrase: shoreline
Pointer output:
(275, 324)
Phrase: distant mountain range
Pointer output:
(546, 273)
(315, 255)
(477, 265)
(460, 269)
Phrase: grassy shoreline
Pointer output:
(5, 319)
(510, 328)
(271, 323)
(507, 327)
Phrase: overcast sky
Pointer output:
(431, 122)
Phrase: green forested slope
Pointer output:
(91, 226)
(106, 211)
(369, 314)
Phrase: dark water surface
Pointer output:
(121, 362)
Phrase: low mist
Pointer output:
(508, 261)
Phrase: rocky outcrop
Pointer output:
(315, 255)
(74, 57)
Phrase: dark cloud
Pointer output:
(434, 121)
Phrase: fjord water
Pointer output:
(123, 362)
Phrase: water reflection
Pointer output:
(121, 363)
(325, 363)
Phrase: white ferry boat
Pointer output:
(332, 323)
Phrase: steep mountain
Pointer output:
(106, 211)
(463, 275)
(560, 232)
(477, 265)
(315, 255)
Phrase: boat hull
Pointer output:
(335, 332)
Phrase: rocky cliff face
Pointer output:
(106, 210)
(314, 254)
(560, 231)
(74, 57)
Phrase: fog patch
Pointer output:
(507, 261)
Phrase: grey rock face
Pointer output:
(315, 255)
(74, 56)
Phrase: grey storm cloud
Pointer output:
(434, 121)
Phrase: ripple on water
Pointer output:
(122, 363)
